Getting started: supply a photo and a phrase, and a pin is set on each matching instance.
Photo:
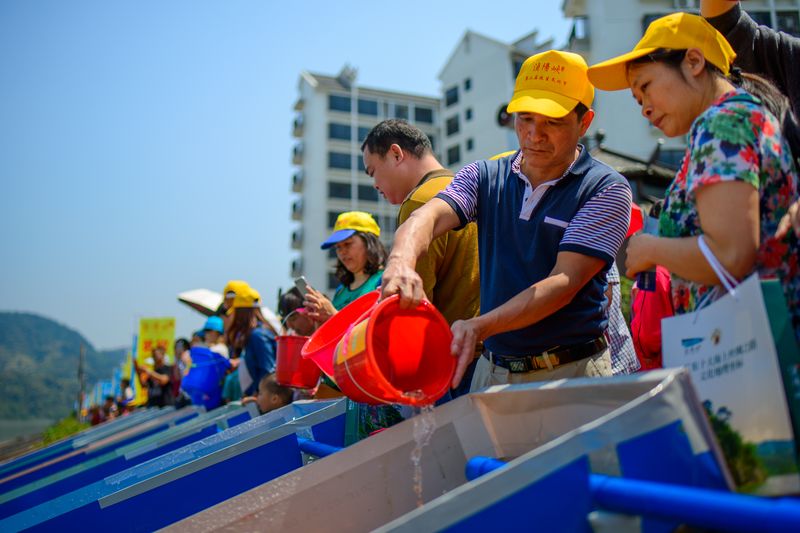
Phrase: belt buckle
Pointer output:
(548, 360)
(517, 366)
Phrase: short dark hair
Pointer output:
(271, 385)
(289, 301)
(393, 131)
(183, 342)
(580, 110)
(376, 259)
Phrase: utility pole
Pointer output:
(81, 381)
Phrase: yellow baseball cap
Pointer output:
(234, 286)
(678, 31)
(248, 298)
(552, 84)
(348, 223)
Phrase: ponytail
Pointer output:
(775, 102)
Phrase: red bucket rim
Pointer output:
(437, 316)
(307, 352)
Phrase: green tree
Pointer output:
(63, 428)
(741, 457)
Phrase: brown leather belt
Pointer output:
(557, 356)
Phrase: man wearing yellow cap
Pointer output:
(550, 222)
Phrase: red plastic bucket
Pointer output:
(395, 355)
(321, 345)
(291, 369)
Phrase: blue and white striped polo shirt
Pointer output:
(521, 230)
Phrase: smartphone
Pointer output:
(302, 285)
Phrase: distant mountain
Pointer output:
(39, 366)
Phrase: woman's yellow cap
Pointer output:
(678, 31)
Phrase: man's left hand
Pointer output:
(638, 259)
(466, 334)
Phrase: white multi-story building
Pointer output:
(333, 117)
(477, 82)
(606, 28)
(469, 122)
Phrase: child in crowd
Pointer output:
(270, 395)
(214, 336)
(295, 317)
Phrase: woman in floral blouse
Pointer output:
(737, 179)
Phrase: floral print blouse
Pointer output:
(737, 139)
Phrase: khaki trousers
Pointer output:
(488, 374)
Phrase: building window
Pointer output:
(467, 84)
(367, 193)
(423, 114)
(401, 111)
(451, 126)
(433, 145)
(339, 160)
(517, 67)
(338, 131)
(468, 114)
(580, 29)
(339, 103)
(453, 155)
(470, 144)
(789, 22)
(451, 96)
(762, 18)
(338, 190)
(297, 267)
(362, 133)
(332, 216)
(647, 19)
(360, 164)
(367, 107)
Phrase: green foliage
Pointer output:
(39, 366)
(741, 457)
(61, 429)
(625, 298)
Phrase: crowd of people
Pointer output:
(519, 251)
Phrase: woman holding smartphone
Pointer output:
(361, 258)
(360, 261)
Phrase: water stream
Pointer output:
(424, 426)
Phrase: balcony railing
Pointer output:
(297, 239)
(297, 181)
(298, 127)
(297, 154)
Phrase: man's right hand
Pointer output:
(401, 278)
(715, 8)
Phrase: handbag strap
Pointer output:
(727, 280)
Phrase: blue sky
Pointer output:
(145, 145)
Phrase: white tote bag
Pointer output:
(728, 348)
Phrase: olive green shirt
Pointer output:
(449, 269)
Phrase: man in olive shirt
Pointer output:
(399, 158)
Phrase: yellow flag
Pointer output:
(154, 332)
